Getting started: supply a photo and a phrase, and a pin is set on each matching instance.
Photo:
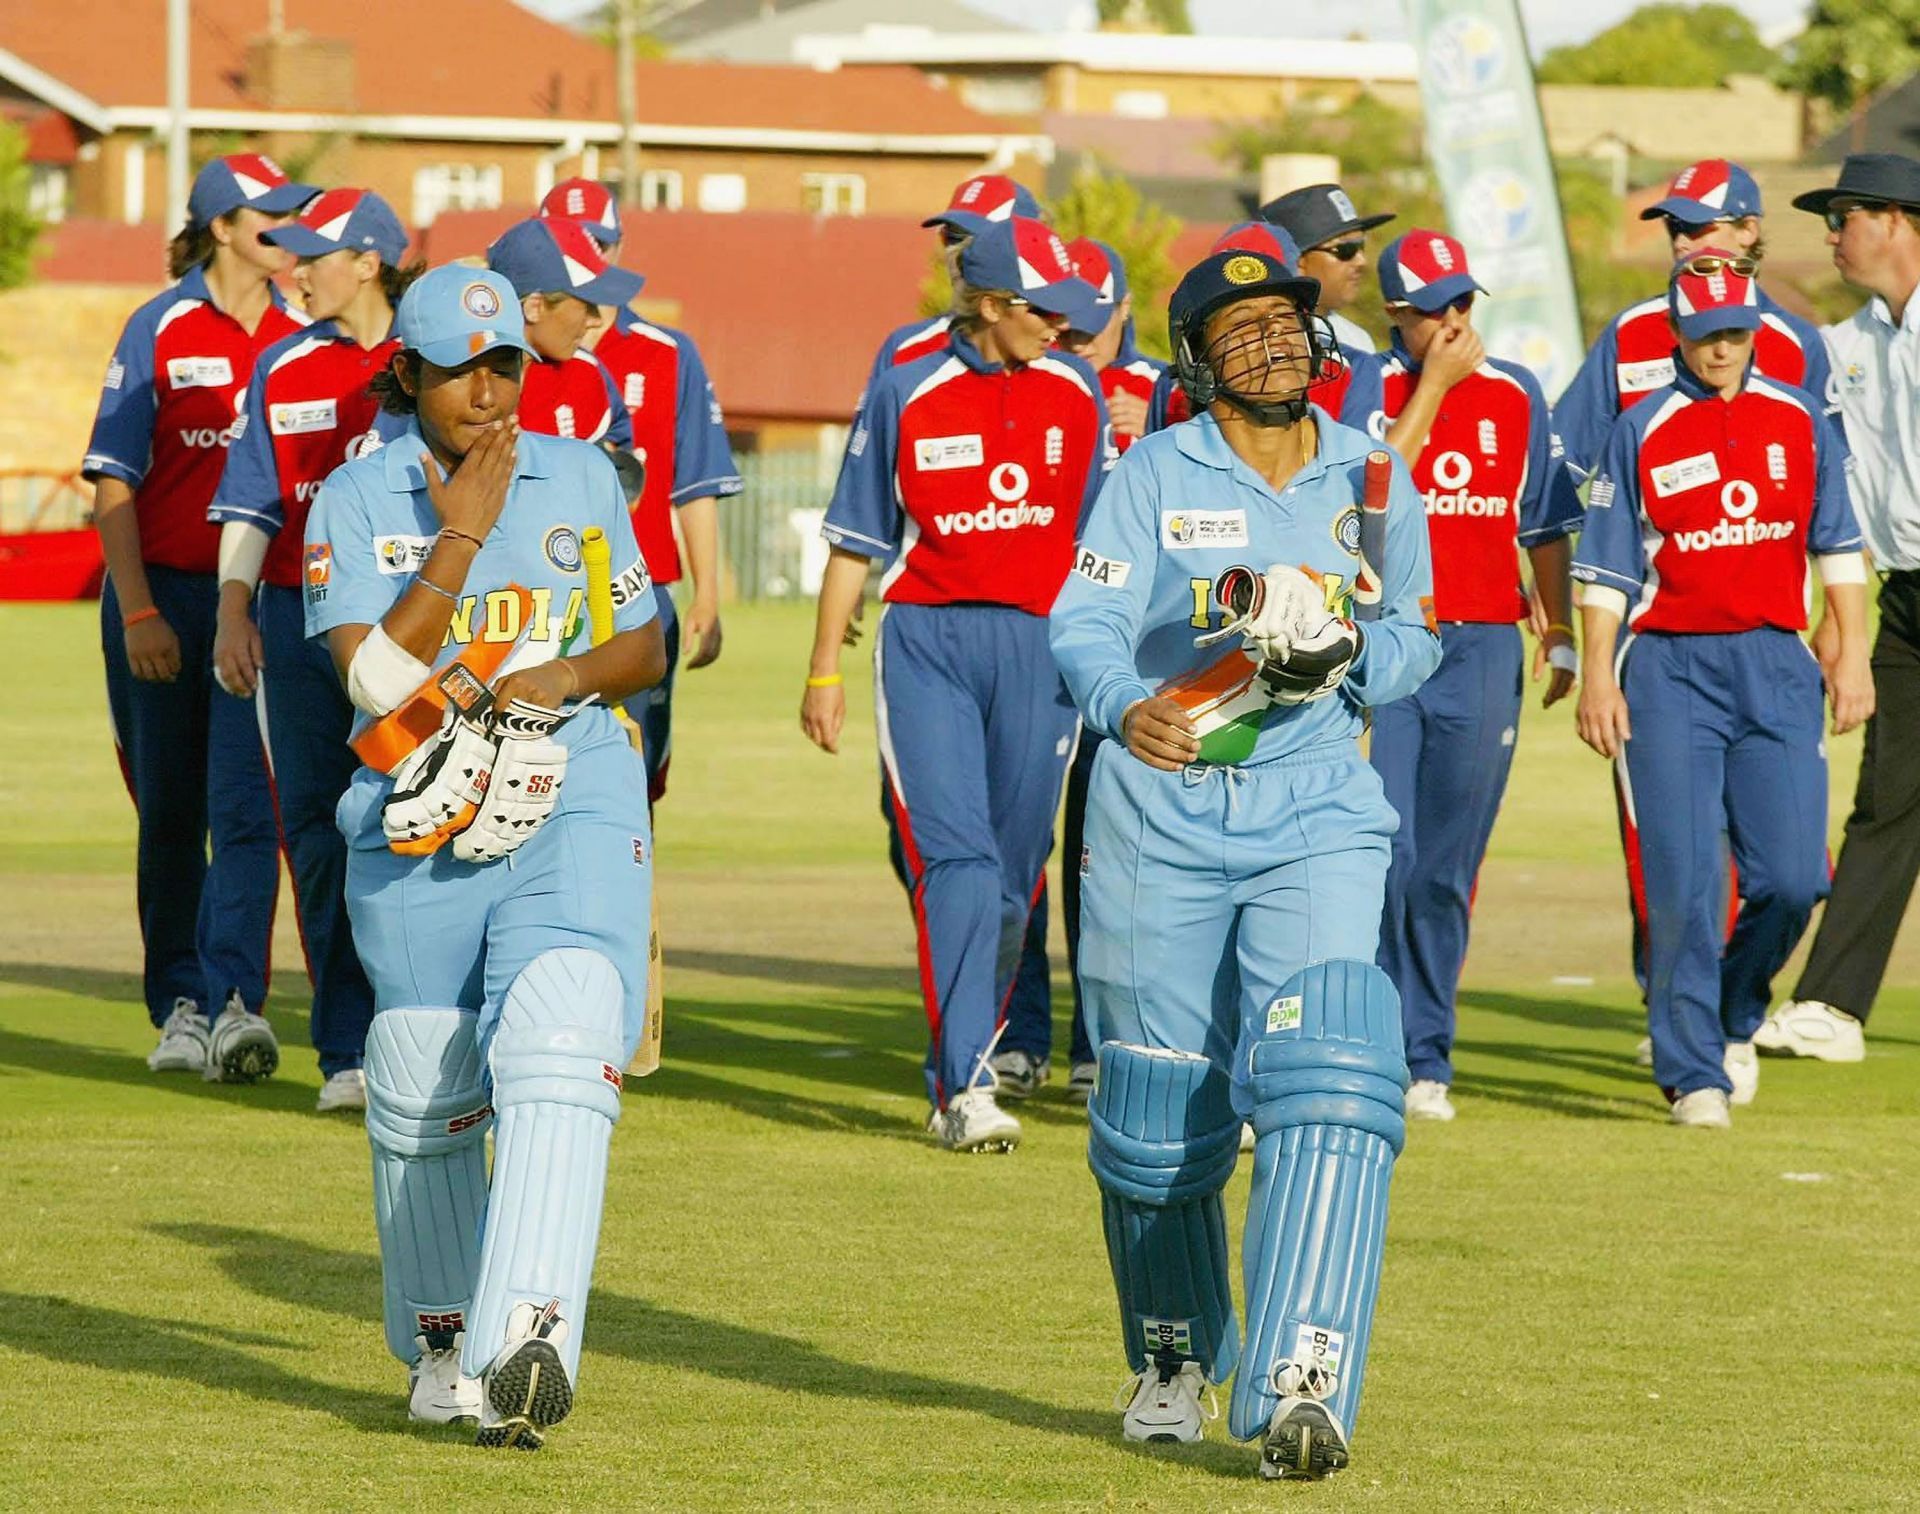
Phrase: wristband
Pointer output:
(826, 681)
(1559, 625)
(1564, 659)
(128, 622)
(446, 531)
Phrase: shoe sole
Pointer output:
(1810, 1054)
(171, 1065)
(530, 1393)
(1306, 1445)
(998, 1145)
(250, 1059)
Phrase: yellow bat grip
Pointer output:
(596, 555)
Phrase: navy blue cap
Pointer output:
(1220, 278)
(454, 313)
(558, 257)
(352, 219)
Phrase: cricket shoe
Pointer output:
(1081, 1081)
(1304, 1441)
(973, 1121)
(1743, 1071)
(1808, 1028)
(345, 1089)
(183, 1041)
(1703, 1109)
(242, 1048)
(1643, 1052)
(1427, 1100)
(440, 1394)
(525, 1391)
(1020, 1074)
(1168, 1401)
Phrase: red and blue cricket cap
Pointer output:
(558, 257)
(983, 200)
(587, 201)
(1025, 257)
(1711, 190)
(1425, 269)
(1703, 303)
(1100, 266)
(354, 220)
(453, 313)
(1267, 238)
(244, 181)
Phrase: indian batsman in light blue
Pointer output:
(502, 924)
(1235, 860)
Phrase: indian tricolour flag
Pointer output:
(1228, 704)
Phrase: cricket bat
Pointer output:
(1368, 594)
(596, 555)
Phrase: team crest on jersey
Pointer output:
(1346, 530)
(562, 547)
(633, 392)
(480, 301)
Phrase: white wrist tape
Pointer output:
(383, 674)
(243, 549)
(1842, 568)
(1565, 659)
(1600, 597)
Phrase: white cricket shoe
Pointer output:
(1643, 1053)
(1020, 1074)
(1081, 1081)
(1304, 1440)
(1168, 1403)
(1704, 1109)
(1808, 1028)
(242, 1047)
(1743, 1071)
(440, 1394)
(345, 1089)
(1427, 1100)
(525, 1389)
(183, 1041)
(974, 1121)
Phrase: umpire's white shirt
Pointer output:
(1876, 369)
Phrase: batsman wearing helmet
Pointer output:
(1234, 865)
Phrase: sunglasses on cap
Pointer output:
(1709, 263)
(1344, 252)
(1836, 215)
(1679, 228)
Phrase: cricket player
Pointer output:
(680, 435)
(1332, 237)
(169, 408)
(499, 859)
(1710, 497)
(1234, 868)
(309, 408)
(1495, 485)
(969, 474)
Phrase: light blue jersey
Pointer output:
(1179, 508)
(371, 530)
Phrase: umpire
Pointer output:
(1873, 227)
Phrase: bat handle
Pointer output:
(1240, 592)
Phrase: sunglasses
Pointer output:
(1678, 228)
(1345, 252)
(1836, 215)
(1709, 263)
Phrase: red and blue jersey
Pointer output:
(1703, 510)
(971, 478)
(1633, 358)
(167, 414)
(575, 399)
(678, 430)
(1493, 480)
(1350, 393)
(307, 410)
(1130, 372)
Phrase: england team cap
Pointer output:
(1703, 303)
(244, 180)
(1711, 190)
(1317, 213)
(587, 201)
(983, 200)
(558, 257)
(1101, 267)
(1425, 269)
(1264, 237)
(344, 219)
(1025, 257)
(452, 314)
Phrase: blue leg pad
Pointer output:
(556, 1089)
(1163, 1143)
(1326, 1076)
(427, 1119)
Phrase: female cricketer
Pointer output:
(308, 410)
(190, 751)
(1710, 497)
(1494, 484)
(499, 861)
(969, 471)
(1235, 860)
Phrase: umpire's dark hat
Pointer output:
(1317, 213)
(1888, 178)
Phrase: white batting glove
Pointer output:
(528, 769)
(1290, 603)
(438, 789)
